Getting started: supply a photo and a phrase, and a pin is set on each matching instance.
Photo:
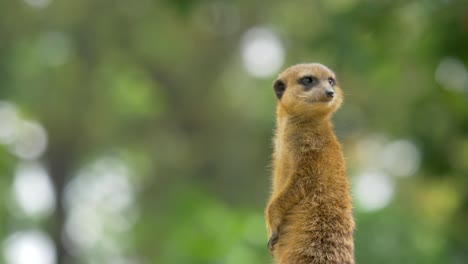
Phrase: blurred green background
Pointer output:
(140, 131)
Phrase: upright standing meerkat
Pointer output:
(309, 215)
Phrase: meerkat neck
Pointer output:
(316, 125)
(303, 123)
(300, 132)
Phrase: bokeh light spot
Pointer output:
(29, 247)
(39, 4)
(374, 190)
(369, 150)
(54, 48)
(30, 141)
(32, 190)
(100, 205)
(83, 227)
(401, 158)
(9, 122)
(451, 74)
(262, 52)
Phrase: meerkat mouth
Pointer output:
(315, 101)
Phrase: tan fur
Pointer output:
(309, 215)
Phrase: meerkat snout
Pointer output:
(330, 93)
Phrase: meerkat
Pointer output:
(309, 214)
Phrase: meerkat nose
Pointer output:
(330, 93)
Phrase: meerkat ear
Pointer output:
(279, 88)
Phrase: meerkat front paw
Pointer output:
(272, 241)
(273, 225)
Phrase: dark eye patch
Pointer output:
(331, 81)
(279, 86)
(308, 81)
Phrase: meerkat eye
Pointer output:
(307, 81)
(331, 81)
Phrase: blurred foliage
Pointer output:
(160, 86)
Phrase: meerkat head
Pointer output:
(309, 90)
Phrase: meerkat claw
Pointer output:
(272, 241)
